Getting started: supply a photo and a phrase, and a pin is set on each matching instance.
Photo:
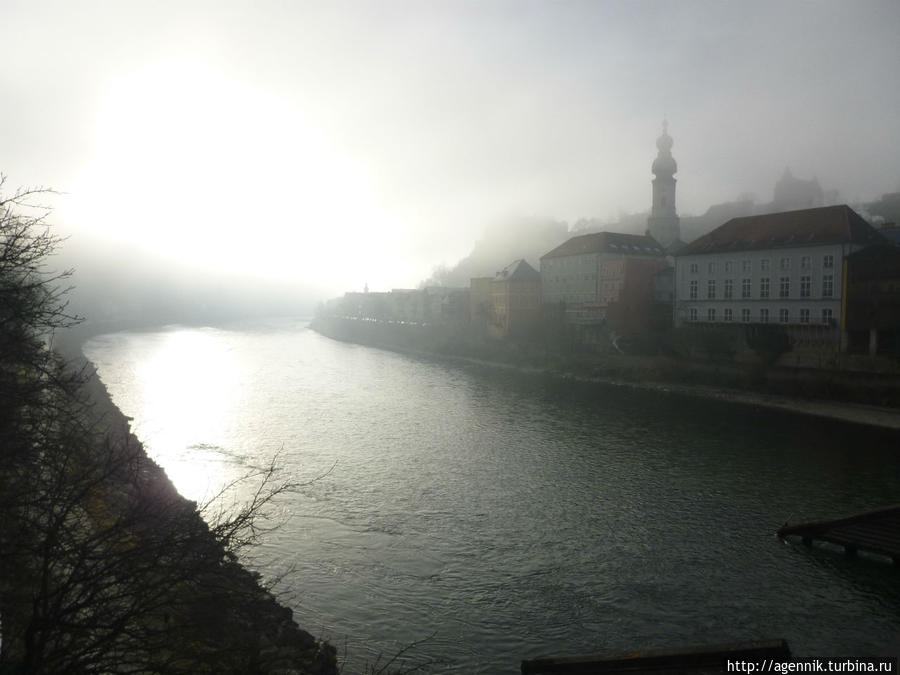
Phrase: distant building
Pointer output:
(480, 301)
(872, 320)
(779, 268)
(891, 232)
(794, 193)
(423, 306)
(515, 299)
(445, 304)
(663, 223)
(663, 284)
(603, 278)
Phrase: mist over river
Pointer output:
(499, 516)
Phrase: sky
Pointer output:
(344, 143)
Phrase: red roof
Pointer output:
(787, 229)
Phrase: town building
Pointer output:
(480, 301)
(663, 223)
(515, 300)
(872, 319)
(782, 268)
(412, 306)
(603, 278)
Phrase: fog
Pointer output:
(327, 146)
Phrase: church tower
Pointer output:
(663, 223)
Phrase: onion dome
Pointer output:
(664, 163)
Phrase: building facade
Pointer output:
(872, 318)
(515, 300)
(780, 268)
(602, 276)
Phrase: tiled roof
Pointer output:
(808, 227)
(608, 242)
(518, 270)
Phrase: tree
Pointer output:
(769, 342)
(103, 566)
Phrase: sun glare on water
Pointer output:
(190, 388)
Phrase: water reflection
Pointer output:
(512, 516)
(184, 386)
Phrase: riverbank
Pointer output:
(221, 615)
(786, 390)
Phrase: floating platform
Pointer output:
(875, 531)
(702, 659)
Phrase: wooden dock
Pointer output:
(875, 531)
(692, 660)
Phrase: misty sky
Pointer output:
(353, 142)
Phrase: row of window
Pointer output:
(573, 277)
(784, 288)
(784, 315)
(765, 264)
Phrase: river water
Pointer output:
(496, 516)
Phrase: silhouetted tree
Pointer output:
(103, 566)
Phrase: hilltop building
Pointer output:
(783, 268)
(663, 223)
(794, 193)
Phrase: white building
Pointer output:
(590, 268)
(784, 268)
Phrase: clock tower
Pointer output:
(663, 223)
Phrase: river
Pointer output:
(496, 516)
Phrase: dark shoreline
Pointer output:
(626, 372)
(276, 637)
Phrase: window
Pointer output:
(746, 266)
(784, 287)
(729, 289)
(711, 314)
(827, 286)
(711, 268)
(764, 315)
(745, 288)
(804, 316)
(694, 285)
(693, 313)
(783, 315)
(805, 262)
(826, 316)
(764, 265)
(711, 289)
(828, 262)
(745, 315)
(785, 264)
(729, 266)
(695, 268)
(764, 287)
(729, 315)
(804, 287)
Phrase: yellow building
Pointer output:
(515, 299)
